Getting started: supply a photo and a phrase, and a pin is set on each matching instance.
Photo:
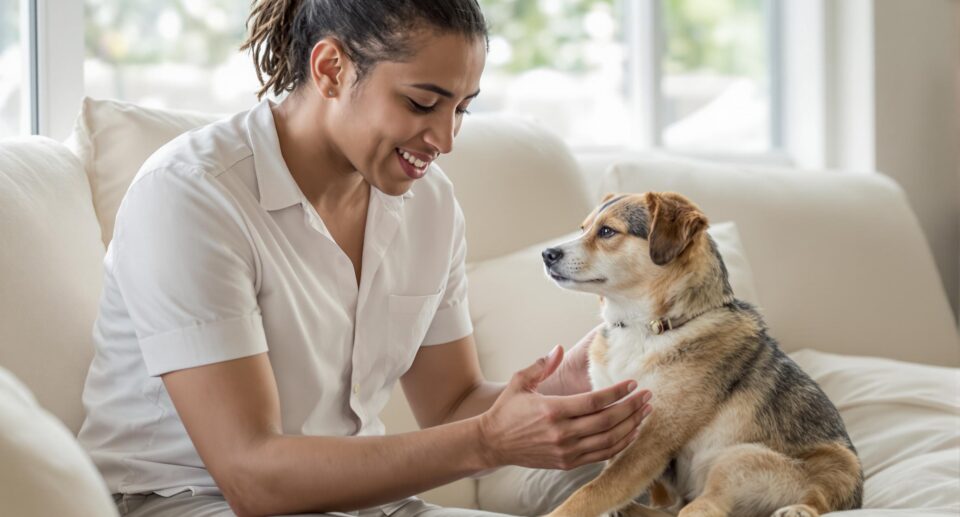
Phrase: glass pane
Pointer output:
(170, 53)
(715, 88)
(560, 61)
(13, 77)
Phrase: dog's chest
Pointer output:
(626, 355)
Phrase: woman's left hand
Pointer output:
(572, 376)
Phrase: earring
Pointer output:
(330, 92)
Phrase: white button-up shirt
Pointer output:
(218, 255)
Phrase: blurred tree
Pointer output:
(201, 32)
(722, 36)
(719, 36)
(548, 33)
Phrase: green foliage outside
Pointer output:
(545, 34)
(126, 31)
(722, 36)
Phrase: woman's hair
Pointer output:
(282, 33)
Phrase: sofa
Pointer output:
(835, 261)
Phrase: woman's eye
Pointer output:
(606, 231)
(419, 108)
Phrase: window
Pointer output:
(694, 76)
(715, 90)
(14, 114)
(686, 75)
(170, 54)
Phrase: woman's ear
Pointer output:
(327, 67)
(674, 222)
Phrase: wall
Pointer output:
(915, 67)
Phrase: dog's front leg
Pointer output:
(680, 413)
(625, 477)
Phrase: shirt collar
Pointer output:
(277, 187)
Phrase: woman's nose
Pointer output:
(440, 134)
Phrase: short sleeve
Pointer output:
(186, 268)
(452, 319)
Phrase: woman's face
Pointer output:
(403, 115)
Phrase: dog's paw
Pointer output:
(796, 510)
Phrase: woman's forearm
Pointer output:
(485, 394)
(476, 401)
(297, 474)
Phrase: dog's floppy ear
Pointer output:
(674, 222)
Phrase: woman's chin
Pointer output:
(394, 187)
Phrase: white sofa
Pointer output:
(836, 261)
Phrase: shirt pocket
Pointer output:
(410, 318)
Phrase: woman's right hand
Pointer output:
(524, 427)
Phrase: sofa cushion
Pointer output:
(519, 314)
(114, 138)
(50, 272)
(839, 258)
(44, 471)
(902, 418)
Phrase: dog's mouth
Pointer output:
(562, 279)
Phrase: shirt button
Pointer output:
(356, 388)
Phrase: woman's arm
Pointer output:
(231, 411)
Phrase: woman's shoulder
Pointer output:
(212, 148)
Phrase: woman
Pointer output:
(272, 275)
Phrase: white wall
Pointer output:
(915, 65)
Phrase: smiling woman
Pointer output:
(291, 263)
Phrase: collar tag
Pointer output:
(656, 326)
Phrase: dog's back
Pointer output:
(767, 399)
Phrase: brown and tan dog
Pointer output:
(737, 428)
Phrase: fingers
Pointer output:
(533, 375)
(606, 453)
(609, 437)
(593, 401)
(630, 409)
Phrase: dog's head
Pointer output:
(629, 243)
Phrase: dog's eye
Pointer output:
(605, 232)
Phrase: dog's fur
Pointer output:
(737, 427)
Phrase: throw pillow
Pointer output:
(114, 138)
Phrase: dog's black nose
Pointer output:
(551, 256)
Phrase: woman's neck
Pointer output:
(321, 171)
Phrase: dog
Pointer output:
(737, 428)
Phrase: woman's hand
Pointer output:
(525, 427)
(572, 376)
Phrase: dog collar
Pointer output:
(659, 326)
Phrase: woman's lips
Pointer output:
(409, 169)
